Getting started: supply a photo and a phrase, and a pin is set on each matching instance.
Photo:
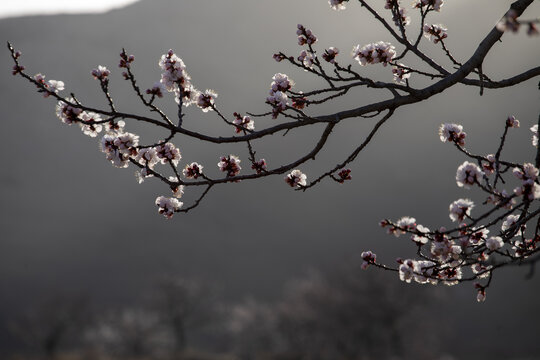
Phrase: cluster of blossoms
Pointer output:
(101, 73)
(178, 190)
(512, 122)
(460, 209)
(192, 171)
(125, 62)
(230, 164)
(488, 166)
(399, 14)
(419, 270)
(296, 178)
(374, 53)
(306, 58)
(89, 122)
(278, 97)
(48, 87)
(400, 17)
(305, 36)
(259, 166)
(508, 226)
(168, 153)
(401, 74)
(67, 113)
(243, 123)
(528, 176)
(330, 54)
(469, 245)
(435, 32)
(369, 258)
(156, 90)
(176, 79)
(148, 158)
(205, 100)
(468, 174)
(337, 4)
(403, 225)
(452, 133)
(168, 206)
(431, 4)
(494, 243)
(119, 147)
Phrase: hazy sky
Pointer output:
(10, 8)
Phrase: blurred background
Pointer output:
(89, 270)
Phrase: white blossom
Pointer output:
(460, 208)
(374, 53)
(192, 171)
(404, 224)
(400, 74)
(306, 58)
(168, 153)
(296, 178)
(424, 272)
(125, 142)
(142, 174)
(369, 258)
(509, 222)
(406, 270)
(205, 100)
(168, 206)
(337, 4)
(420, 238)
(452, 133)
(178, 191)
(55, 86)
(330, 54)
(468, 174)
(88, 125)
(67, 113)
(243, 123)
(534, 130)
(494, 242)
(147, 157)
